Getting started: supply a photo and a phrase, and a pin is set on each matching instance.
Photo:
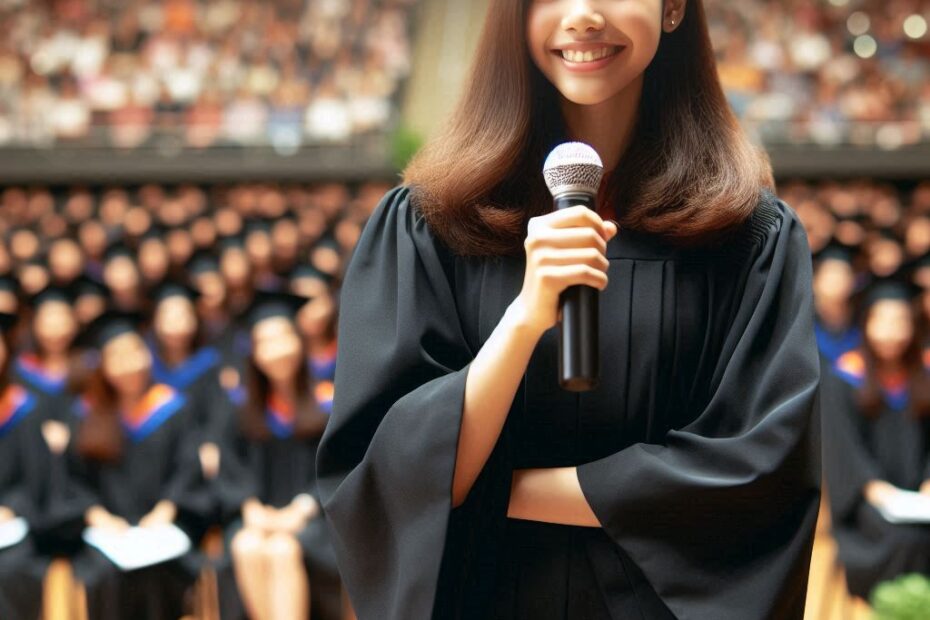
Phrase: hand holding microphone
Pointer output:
(566, 263)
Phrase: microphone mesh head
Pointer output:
(573, 165)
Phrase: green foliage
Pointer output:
(405, 143)
(904, 598)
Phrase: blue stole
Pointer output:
(32, 371)
(833, 346)
(15, 404)
(159, 404)
(183, 375)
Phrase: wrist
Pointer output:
(518, 318)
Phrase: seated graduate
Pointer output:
(21, 568)
(834, 286)
(90, 299)
(217, 326)
(179, 356)
(46, 369)
(121, 276)
(135, 465)
(238, 279)
(278, 537)
(876, 441)
(317, 324)
(154, 260)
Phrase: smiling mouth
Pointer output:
(578, 56)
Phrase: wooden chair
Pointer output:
(828, 597)
(63, 597)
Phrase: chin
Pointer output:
(583, 98)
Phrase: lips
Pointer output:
(589, 55)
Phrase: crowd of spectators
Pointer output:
(827, 71)
(200, 73)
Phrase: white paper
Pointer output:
(907, 507)
(12, 532)
(138, 547)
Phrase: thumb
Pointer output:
(611, 227)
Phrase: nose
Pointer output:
(582, 17)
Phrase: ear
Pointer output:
(673, 14)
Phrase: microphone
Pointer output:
(573, 173)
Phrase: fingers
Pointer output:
(579, 215)
(567, 220)
(593, 257)
(566, 238)
(561, 277)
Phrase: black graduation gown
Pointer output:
(275, 470)
(158, 462)
(699, 452)
(28, 371)
(895, 447)
(197, 378)
(22, 487)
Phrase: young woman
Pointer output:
(179, 356)
(460, 479)
(876, 418)
(268, 476)
(834, 286)
(134, 463)
(317, 323)
(46, 369)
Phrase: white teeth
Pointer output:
(589, 56)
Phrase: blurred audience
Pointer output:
(200, 73)
(827, 72)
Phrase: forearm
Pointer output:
(490, 387)
(552, 495)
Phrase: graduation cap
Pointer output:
(887, 234)
(327, 241)
(9, 284)
(306, 270)
(109, 325)
(52, 293)
(202, 262)
(257, 224)
(155, 231)
(7, 321)
(836, 251)
(117, 249)
(173, 288)
(231, 242)
(892, 287)
(85, 285)
(270, 304)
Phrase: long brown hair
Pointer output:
(101, 436)
(690, 173)
(869, 396)
(309, 421)
(7, 337)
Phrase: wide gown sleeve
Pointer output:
(386, 460)
(721, 516)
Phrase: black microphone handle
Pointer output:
(579, 353)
